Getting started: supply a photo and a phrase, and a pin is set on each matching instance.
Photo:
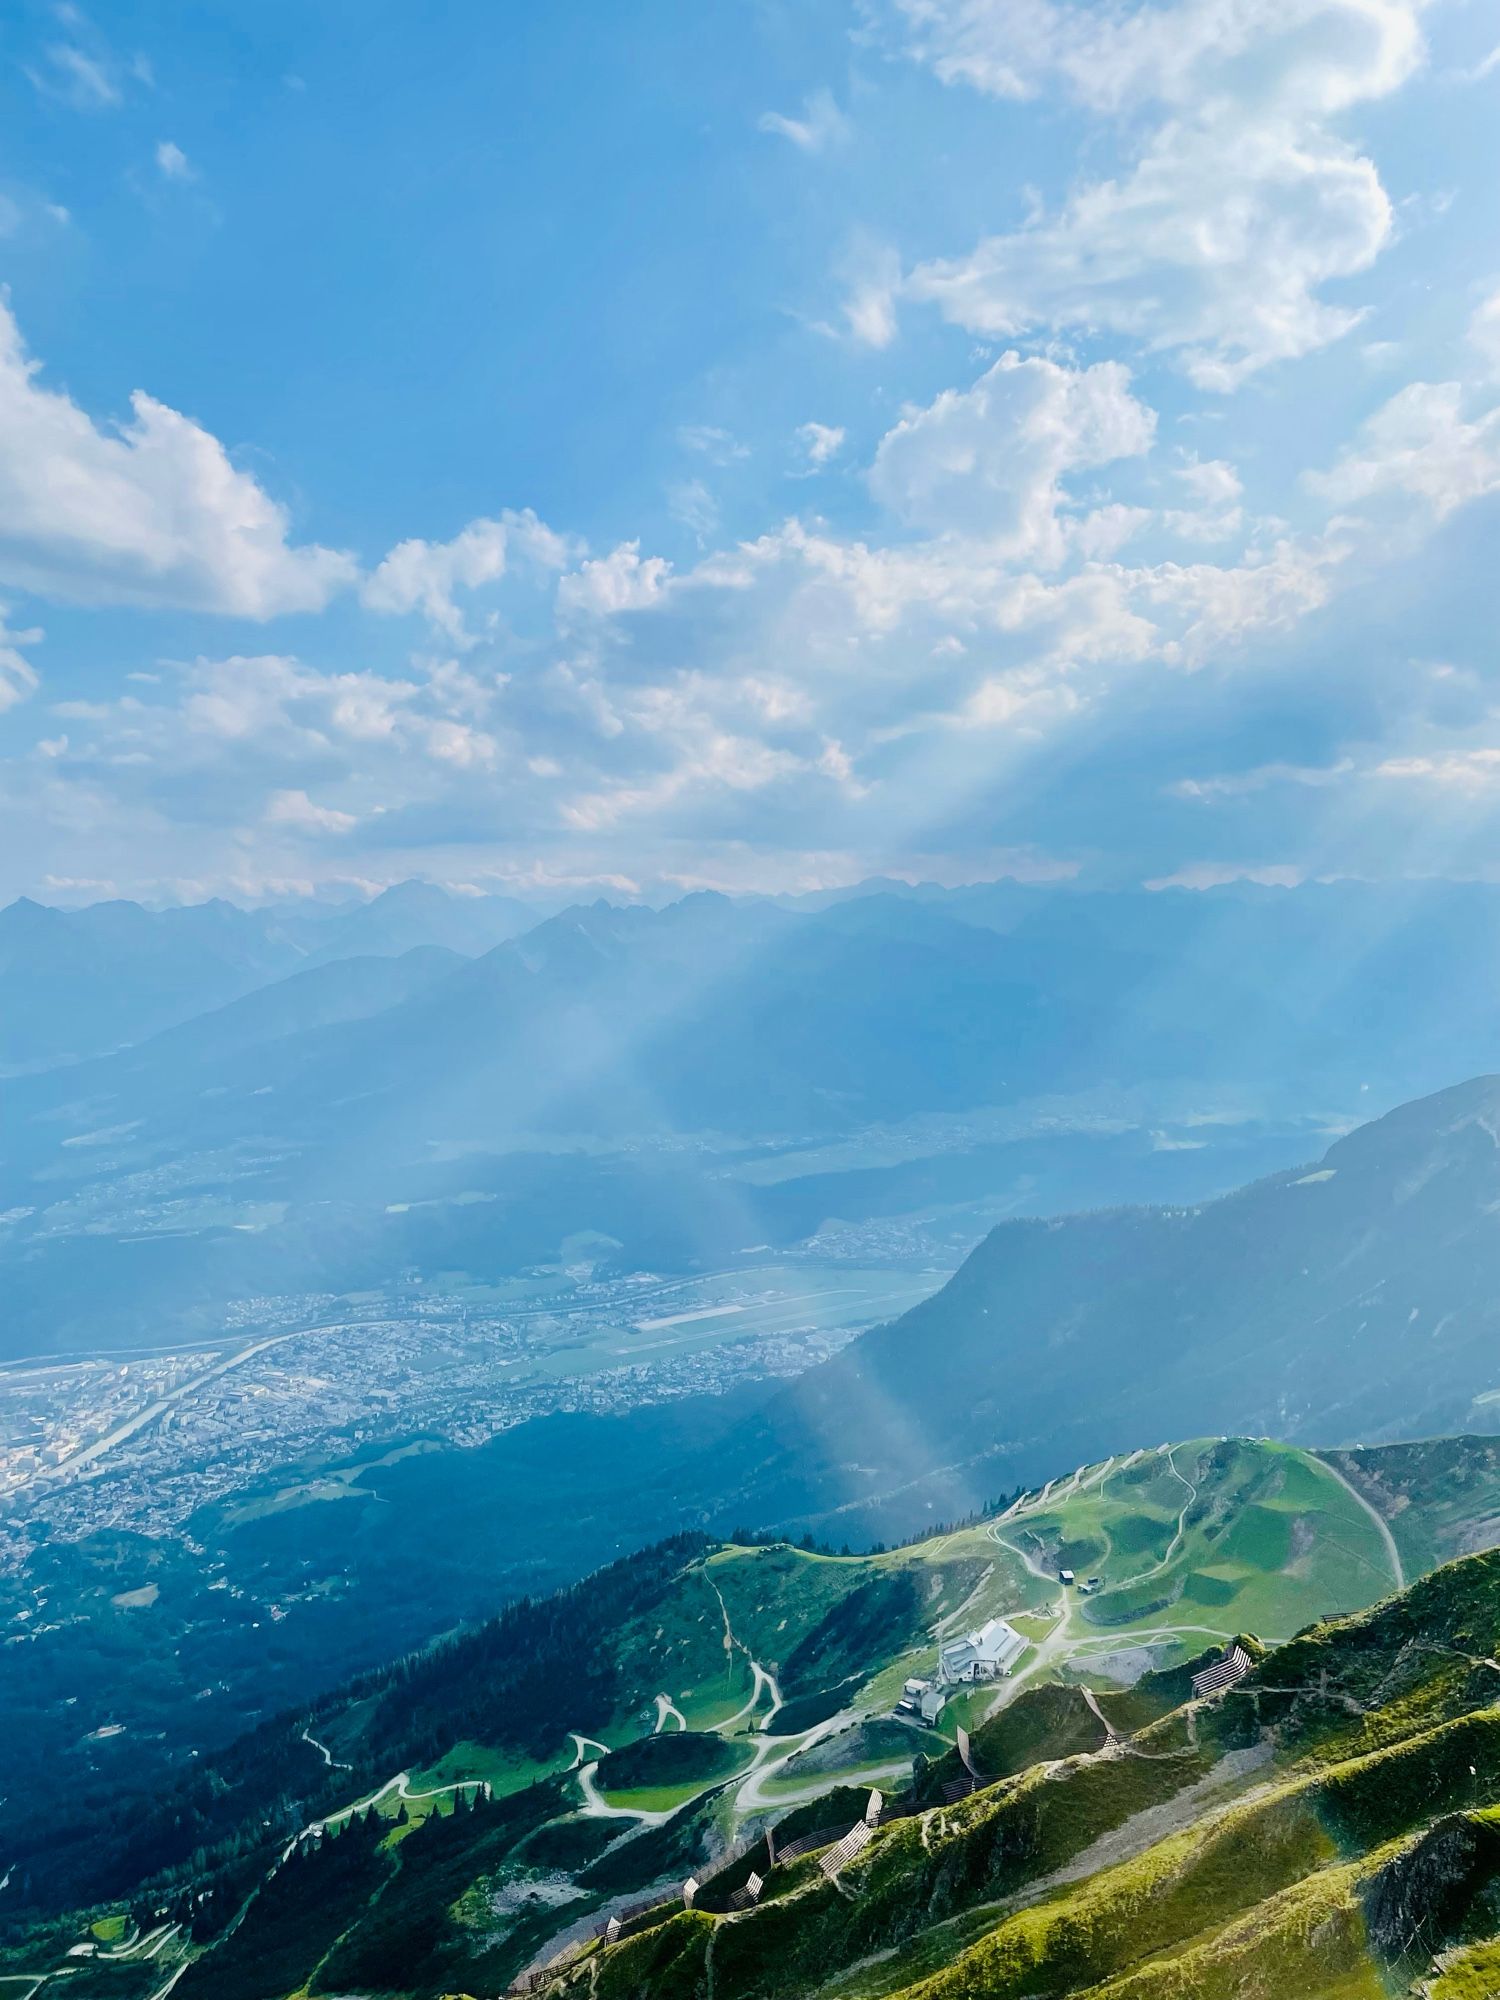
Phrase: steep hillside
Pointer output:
(1358, 1297)
(440, 1826)
(1326, 1828)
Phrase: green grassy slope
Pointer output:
(442, 1826)
(1321, 1832)
(1440, 1497)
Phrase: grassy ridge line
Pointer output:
(1254, 1854)
(1349, 1798)
(1200, 1526)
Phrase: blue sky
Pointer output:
(756, 446)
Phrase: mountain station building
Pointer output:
(984, 1655)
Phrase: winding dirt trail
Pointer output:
(333, 1763)
(762, 1676)
(667, 1710)
(1383, 1527)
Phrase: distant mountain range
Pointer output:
(634, 1072)
(75, 983)
(1330, 980)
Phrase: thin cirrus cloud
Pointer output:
(819, 125)
(172, 163)
(18, 677)
(80, 69)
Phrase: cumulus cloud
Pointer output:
(820, 442)
(296, 810)
(149, 513)
(1214, 513)
(623, 580)
(989, 461)
(1420, 444)
(1207, 608)
(820, 125)
(1215, 246)
(425, 576)
(1319, 55)
(1229, 218)
(702, 759)
(262, 740)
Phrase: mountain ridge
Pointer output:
(489, 1848)
(1285, 1308)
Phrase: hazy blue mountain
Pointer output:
(625, 1071)
(1354, 1299)
(319, 996)
(411, 914)
(74, 982)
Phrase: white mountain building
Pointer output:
(981, 1656)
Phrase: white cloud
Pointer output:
(821, 125)
(458, 744)
(704, 759)
(1211, 607)
(233, 741)
(1320, 55)
(621, 581)
(73, 76)
(1464, 771)
(424, 576)
(988, 462)
(149, 513)
(1484, 332)
(1260, 778)
(174, 164)
(1214, 246)
(1239, 206)
(1420, 444)
(872, 279)
(1214, 490)
(716, 444)
(81, 69)
(18, 678)
(296, 810)
(1219, 874)
(821, 442)
(691, 503)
